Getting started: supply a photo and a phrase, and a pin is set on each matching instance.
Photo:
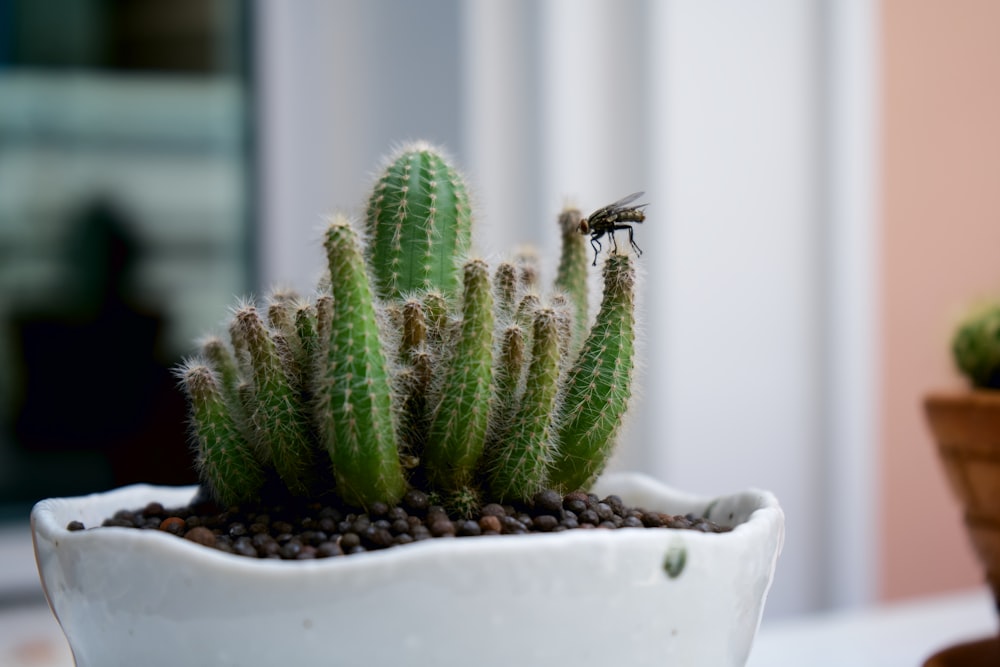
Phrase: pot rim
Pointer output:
(49, 517)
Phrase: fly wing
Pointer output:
(617, 206)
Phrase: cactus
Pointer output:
(599, 384)
(458, 427)
(353, 402)
(414, 365)
(976, 347)
(223, 455)
(571, 276)
(521, 464)
(419, 223)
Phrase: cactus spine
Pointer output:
(598, 385)
(410, 368)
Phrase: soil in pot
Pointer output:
(309, 530)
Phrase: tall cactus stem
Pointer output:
(353, 405)
(520, 465)
(598, 385)
(565, 321)
(418, 222)
(571, 275)
(458, 426)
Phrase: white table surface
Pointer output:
(901, 634)
(897, 635)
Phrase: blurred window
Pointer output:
(125, 230)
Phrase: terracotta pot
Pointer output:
(966, 427)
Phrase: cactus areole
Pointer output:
(414, 365)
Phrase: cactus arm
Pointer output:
(354, 407)
(307, 334)
(414, 378)
(509, 368)
(418, 222)
(225, 461)
(505, 285)
(598, 384)
(458, 426)
(281, 319)
(571, 275)
(223, 362)
(276, 414)
(519, 466)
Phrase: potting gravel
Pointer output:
(300, 531)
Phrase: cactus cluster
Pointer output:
(976, 347)
(416, 365)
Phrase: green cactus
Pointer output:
(505, 285)
(419, 223)
(521, 463)
(598, 385)
(275, 414)
(507, 375)
(411, 367)
(224, 458)
(976, 347)
(571, 276)
(458, 427)
(354, 403)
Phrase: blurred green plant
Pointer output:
(976, 347)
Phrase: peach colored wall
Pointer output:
(940, 251)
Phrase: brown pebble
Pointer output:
(493, 509)
(172, 524)
(201, 535)
(545, 522)
(153, 509)
(442, 527)
(490, 522)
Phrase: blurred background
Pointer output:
(822, 204)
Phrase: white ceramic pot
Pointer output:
(598, 597)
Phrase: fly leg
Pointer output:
(614, 244)
(631, 240)
(596, 245)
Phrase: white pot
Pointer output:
(596, 597)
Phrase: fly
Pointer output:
(612, 218)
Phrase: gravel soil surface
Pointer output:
(301, 530)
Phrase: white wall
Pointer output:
(749, 127)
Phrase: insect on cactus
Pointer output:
(415, 365)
